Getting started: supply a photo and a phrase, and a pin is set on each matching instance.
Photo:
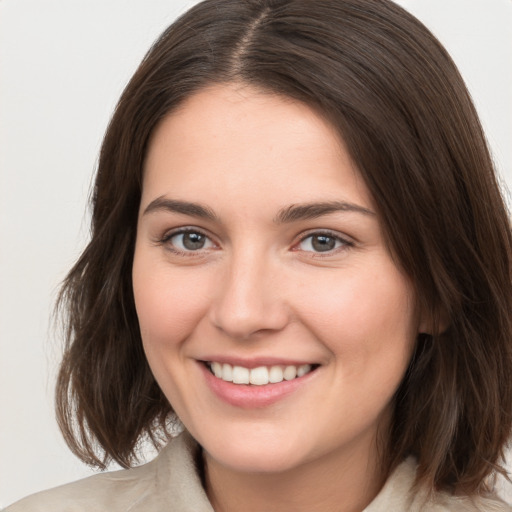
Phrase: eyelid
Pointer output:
(169, 234)
(344, 239)
(183, 229)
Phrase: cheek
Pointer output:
(168, 306)
(365, 316)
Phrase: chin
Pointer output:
(255, 461)
(271, 453)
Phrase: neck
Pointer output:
(339, 482)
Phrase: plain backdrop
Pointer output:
(63, 64)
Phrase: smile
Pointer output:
(260, 376)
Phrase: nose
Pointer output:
(249, 300)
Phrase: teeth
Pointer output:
(302, 370)
(217, 370)
(227, 372)
(275, 374)
(240, 375)
(290, 372)
(258, 376)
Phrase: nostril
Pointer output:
(245, 323)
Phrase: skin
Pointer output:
(260, 288)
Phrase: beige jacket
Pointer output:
(171, 483)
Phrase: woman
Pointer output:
(300, 249)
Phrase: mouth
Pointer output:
(259, 376)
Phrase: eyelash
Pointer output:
(343, 242)
(165, 240)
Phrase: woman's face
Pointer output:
(259, 256)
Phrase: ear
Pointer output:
(433, 321)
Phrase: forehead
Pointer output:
(234, 138)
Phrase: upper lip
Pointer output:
(255, 362)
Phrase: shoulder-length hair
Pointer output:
(395, 96)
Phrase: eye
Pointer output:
(189, 241)
(321, 242)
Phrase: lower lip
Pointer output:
(249, 396)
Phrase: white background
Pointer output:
(63, 64)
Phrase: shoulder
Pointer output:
(399, 494)
(99, 492)
(444, 502)
(171, 478)
(114, 491)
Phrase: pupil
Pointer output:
(322, 243)
(193, 241)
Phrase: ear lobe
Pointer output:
(434, 322)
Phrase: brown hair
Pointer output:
(406, 117)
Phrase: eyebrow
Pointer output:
(292, 213)
(184, 207)
(307, 211)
